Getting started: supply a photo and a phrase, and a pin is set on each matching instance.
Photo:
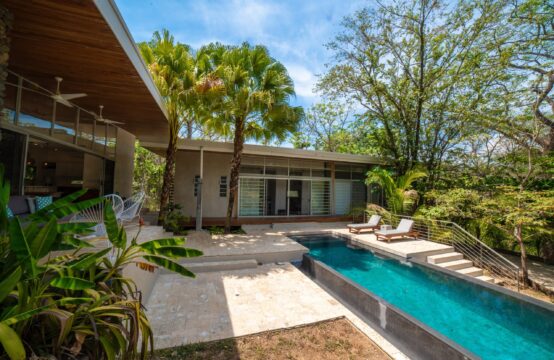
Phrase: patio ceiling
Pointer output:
(88, 44)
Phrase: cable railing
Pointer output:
(450, 233)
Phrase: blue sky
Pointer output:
(294, 31)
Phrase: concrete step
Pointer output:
(211, 266)
(440, 258)
(485, 278)
(456, 264)
(471, 271)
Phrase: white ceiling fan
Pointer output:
(107, 121)
(64, 98)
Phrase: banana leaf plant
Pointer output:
(60, 296)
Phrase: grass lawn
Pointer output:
(333, 339)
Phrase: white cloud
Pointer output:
(304, 80)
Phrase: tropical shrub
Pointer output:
(399, 196)
(175, 221)
(62, 297)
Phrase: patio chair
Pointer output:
(95, 214)
(132, 207)
(371, 224)
(403, 230)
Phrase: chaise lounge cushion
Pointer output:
(372, 222)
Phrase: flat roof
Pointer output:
(88, 44)
(261, 150)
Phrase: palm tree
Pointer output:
(255, 105)
(184, 80)
(398, 193)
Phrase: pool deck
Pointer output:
(406, 248)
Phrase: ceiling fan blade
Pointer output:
(73, 96)
(108, 121)
(61, 100)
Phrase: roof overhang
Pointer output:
(88, 44)
(249, 149)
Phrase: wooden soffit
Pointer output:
(88, 44)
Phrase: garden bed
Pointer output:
(333, 339)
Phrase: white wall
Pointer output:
(215, 166)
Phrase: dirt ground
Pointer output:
(333, 339)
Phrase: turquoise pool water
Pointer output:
(487, 323)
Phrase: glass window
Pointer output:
(223, 186)
(251, 199)
(275, 170)
(252, 169)
(12, 150)
(320, 201)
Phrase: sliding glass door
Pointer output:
(283, 197)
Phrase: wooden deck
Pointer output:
(213, 221)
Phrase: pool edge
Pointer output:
(411, 336)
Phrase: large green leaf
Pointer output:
(43, 241)
(158, 243)
(174, 252)
(60, 203)
(9, 283)
(71, 283)
(112, 228)
(169, 265)
(12, 343)
(20, 247)
(76, 228)
(108, 347)
(89, 259)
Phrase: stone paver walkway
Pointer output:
(218, 305)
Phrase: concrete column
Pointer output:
(199, 193)
(6, 20)
(332, 190)
(124, 163)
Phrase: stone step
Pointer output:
(456, 264)
(471, 271)
(440, 258)
(485, 278)
(211, 266)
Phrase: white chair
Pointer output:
(131, 207)
(372, 224)
(403, 230)
(95, 214)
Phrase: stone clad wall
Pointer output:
(6, 21)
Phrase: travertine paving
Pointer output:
(218, 305)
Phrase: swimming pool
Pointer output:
(490, 324)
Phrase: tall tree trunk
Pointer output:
(189, 129)
(169, 174)
(421, 83)
(238, 144)
(5, 27)
(524, 272)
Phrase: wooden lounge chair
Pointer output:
(371, 224)
(403, 230)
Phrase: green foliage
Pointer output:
(398, 194)
(61, 297)
(148, 176)
(218, 230)
(176, 221)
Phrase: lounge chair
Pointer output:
(131, 208)
(403, 230)
(371, 224)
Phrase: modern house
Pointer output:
(77, 96)
(276, 184)
(52, 143)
